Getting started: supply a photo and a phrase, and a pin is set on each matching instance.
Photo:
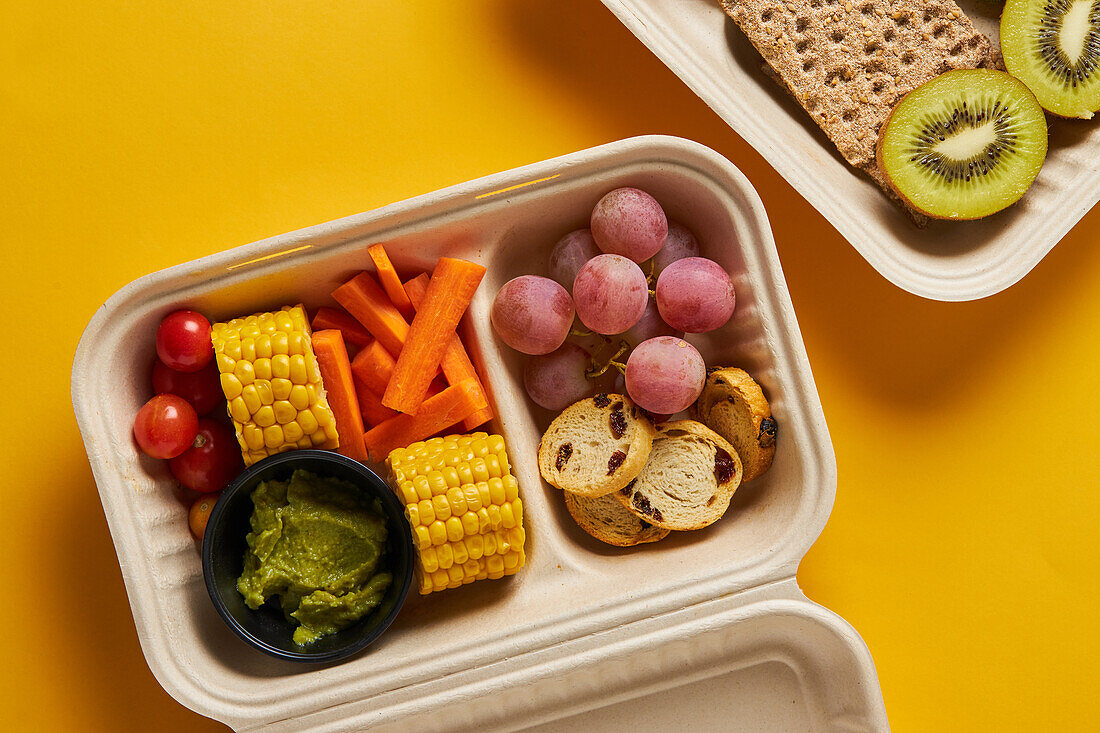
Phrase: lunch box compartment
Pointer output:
(578, 606)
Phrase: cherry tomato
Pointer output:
(183, 341)
(199, 514)
(202, 388)
(212, 462)
(166, 426)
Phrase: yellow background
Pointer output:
(137, 135)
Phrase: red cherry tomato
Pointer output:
(202, 388)
(199, 514)
(183, 341)
(212, 462)
(166, 426)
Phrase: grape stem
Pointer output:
(592, 372)
(585, 332)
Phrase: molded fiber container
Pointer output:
(945, 261)
(714, 615)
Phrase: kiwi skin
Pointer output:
(880, 157)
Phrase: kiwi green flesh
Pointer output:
(1053, 46)
(964, 145)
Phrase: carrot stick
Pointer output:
(373, 366)
(370, 401)
(391, 283)
(332, 358)
(362, 298)
(353, 331)
(370, 404)
(456, 362)
(449, 293)
(451, 406)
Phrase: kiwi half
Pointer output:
(1053, 46)
(964, 145)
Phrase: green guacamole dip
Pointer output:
(318, 544)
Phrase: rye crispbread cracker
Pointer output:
(849, 63)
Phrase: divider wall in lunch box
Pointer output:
(582, 624)
(945, 261)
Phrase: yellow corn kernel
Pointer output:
(437, 483)
(470, 524)
(292, 431)
(427, 512)
(507, 518)
(475, 545)
(492, 465)
(284, 412)
(253, 437)
(261, 359)
(280, 388)
(243, 371)
(264, 417)
(280, 366)
(239, 411)
(231, 386)
(298, 369)
(457, 500)
(263, 391)
(456, 576)
(511, 487)
(251, 399)
(297, 346)
(437, 532)
(442, 508)
(445, 555)
(511, 561)
(455, 531)
(429, 559)
(472, 496)
(273, 436)
(307, 421)
(496, 491)
(462, 555)
(262, 368)
(463, 506)
(423, 489)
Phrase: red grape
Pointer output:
(202, 388)
(629, 222)
(557, 380)
(183, 341)
(212, 461)
(165, 426)
(611, 294)
(532, 314)
(569, 255)
(664, 375)
(695, 295)
(679, 244)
